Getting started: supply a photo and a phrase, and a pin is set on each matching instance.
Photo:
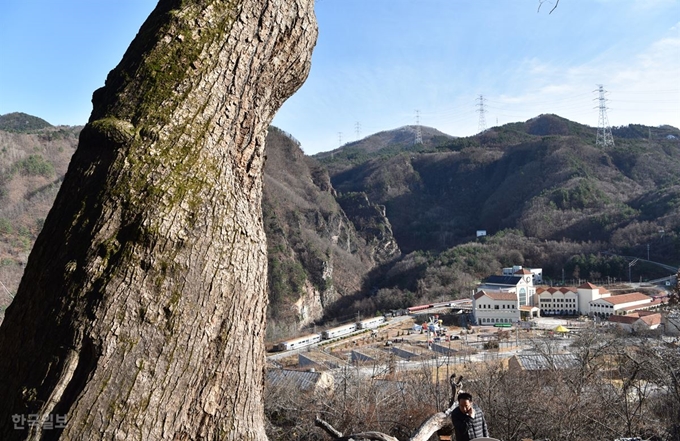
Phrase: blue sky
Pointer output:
(378, 62)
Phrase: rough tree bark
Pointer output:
(141, 311)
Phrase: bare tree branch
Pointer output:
(540, 3)
(431, 425)
(327, 427)
(336, 434)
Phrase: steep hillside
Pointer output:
(32, 166)
(545, 194)
(316, 253)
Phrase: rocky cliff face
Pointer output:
(372, 225)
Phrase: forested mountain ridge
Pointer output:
(22, 123)
(382, 144)
(544, 177)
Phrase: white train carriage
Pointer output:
(299, 342)
(339, 331)
(371, 323)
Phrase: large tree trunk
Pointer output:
(141, 311)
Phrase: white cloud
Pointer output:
(644, 88)
(653, 4)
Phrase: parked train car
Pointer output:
(418, 308)
(339, 331)
(371, 323)
(299, 342)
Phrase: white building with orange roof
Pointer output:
(558, 301)
(621, 304)
(503, 299)
(491, 307)
(589, 292)
(651, 320)
(568, 300)
(637, 321)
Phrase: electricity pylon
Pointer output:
(604, 131)
(480, 109)
(419, 133)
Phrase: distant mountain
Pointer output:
(382, 144)
(544, 177)
(21, 122)
(402, 137)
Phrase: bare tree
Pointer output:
(674, 295)
(662, 371)
(141, 311)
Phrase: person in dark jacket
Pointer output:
(468, 419)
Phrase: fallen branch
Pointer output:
(377, 436)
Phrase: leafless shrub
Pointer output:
(618, 386)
